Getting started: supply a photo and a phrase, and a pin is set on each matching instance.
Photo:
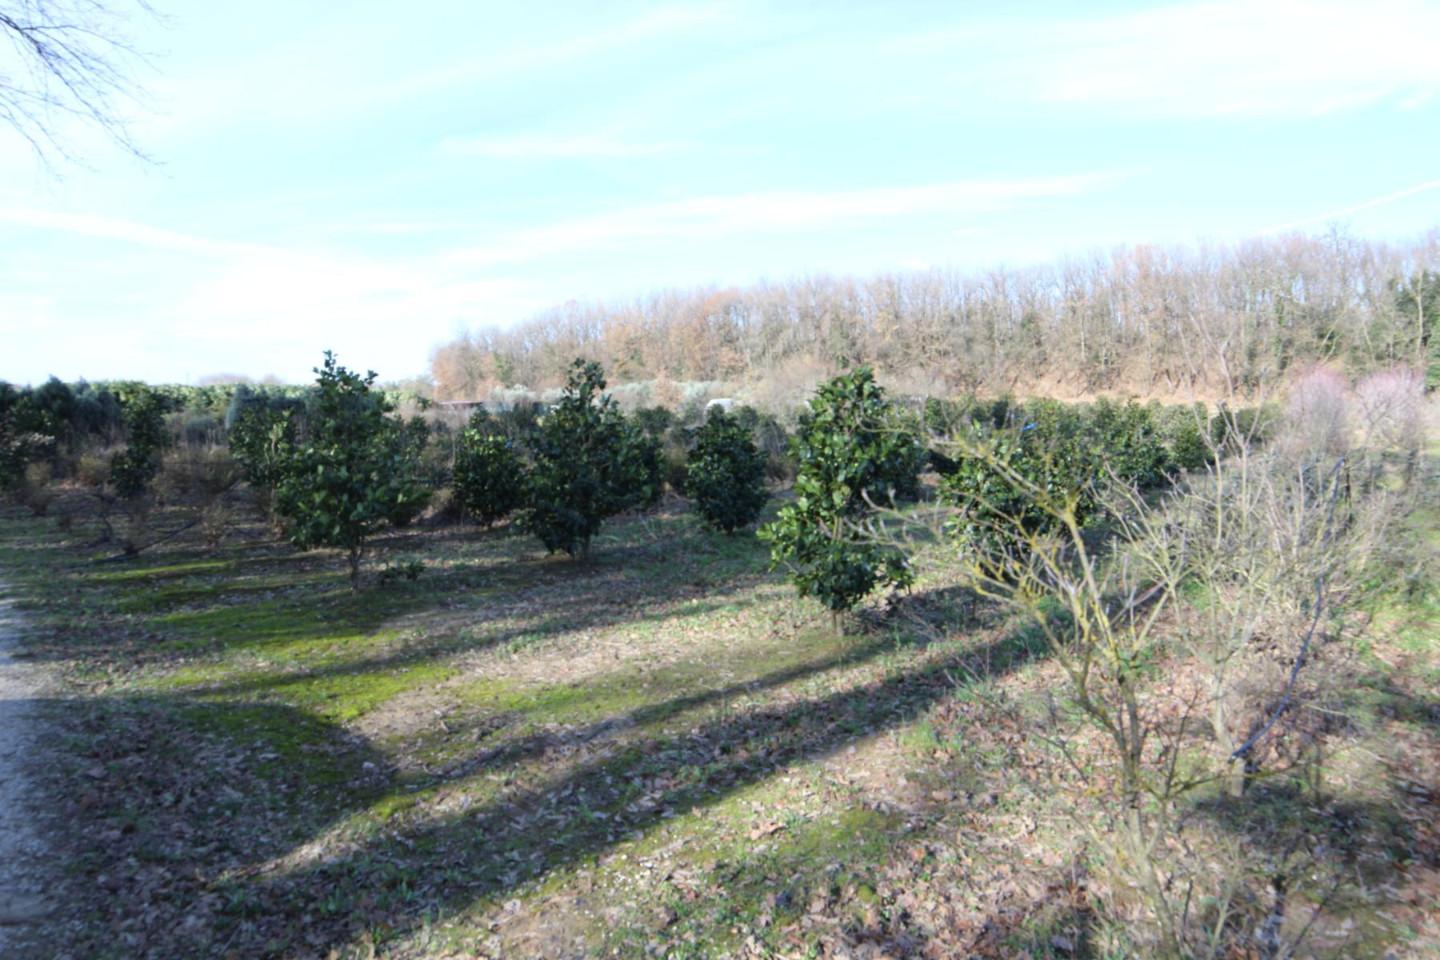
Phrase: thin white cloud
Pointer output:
(128, 231)
(656, 24)
(717, 216)
(1221, 58)
(541, 147)
(250, 303)
(332, 70)
(1372, 203)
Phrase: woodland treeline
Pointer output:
(1184, 322)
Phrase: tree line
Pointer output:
(1204, 322)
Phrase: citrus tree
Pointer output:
(590, 463)
(261, 437)
(143, 414)
(854, 452)
(353, 471)
(489, 475)
(725, 478)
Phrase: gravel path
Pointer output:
(22, 851)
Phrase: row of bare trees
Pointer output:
(1199, 322)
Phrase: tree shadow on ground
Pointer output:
(458, 859)
(535, 745)
(1281, 817)
(221, 787)
(1391, 700)
(170, 795)
(208, 610)
(1324, 862)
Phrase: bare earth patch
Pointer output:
(24, 878)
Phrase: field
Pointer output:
(658, 752)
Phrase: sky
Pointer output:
(375, 183)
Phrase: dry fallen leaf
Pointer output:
(766, 829)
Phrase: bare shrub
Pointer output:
(1317, 415)
(92, 469)
(666, 393)
(190, 428)
(196, 472)
(1269, 545)
(1234, 585)
(130, 523)
(445, 507)
(199, 475)
(216, 521)
(1391, 404)
(785, 388)
(36, 490)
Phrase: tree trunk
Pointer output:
(355, 568)
(1234, 775)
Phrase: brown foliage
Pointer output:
(1182, 323)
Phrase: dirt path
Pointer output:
(22, 850)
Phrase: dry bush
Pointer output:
(92, 469)
(1391, 404)
(1268, 551)
(216, 521)
(190, 428)
(445, 508)
(127, 521)
(196, 473)
(666, 392)
(786, 386)
(1317, 415)
(1234, 585)
(36, 488)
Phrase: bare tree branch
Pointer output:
(68, 60)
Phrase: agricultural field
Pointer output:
(662, 751)
(817, 506)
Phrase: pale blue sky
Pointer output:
(375, 181)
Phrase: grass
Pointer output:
(659, 752)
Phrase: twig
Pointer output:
(1319, 605)
(128, 554)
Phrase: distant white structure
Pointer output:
(721, 403)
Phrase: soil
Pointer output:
(23, 902)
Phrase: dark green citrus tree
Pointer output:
(143, 414)
(489, 474)
(854, 453)
(27, 432)
(261, 437)
(590, 463)
(352, 472)
(1015, 478)
(726, 475)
